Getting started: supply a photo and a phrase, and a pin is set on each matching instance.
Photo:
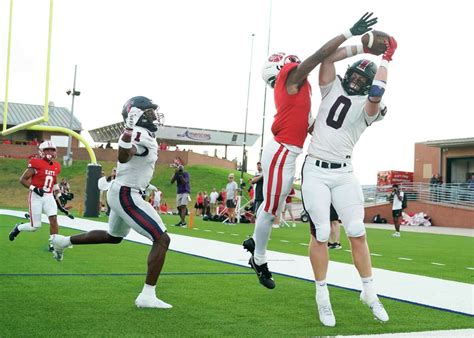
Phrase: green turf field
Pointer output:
(92, 291)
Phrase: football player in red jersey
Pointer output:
(41, 179)
(288, 76)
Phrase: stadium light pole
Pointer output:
(68, 158)
(244, 155)
(265, 92)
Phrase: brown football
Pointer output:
(374, 42)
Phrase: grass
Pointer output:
(92, 292)
(203, 178)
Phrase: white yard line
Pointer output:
(449, 295)
(439, 264)
(405, 259)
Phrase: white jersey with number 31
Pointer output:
(340, 121)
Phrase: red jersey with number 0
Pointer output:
(290, 125)
(45, 173)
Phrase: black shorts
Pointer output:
(397, 213)
(230, 204)
(198, 206)
(333, 214)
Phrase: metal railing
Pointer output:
(458, 194)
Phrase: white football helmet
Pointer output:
(47, 150)
(274, 64)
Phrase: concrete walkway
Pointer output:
(427, 230)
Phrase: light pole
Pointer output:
(265, 93)
(244, 154)
(68, 158)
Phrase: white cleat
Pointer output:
(59, 243)
(143, 301)
(376, 306)
(396, 234)
(326, 316)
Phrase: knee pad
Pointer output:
(356, 229)
(323, 232)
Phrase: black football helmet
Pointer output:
(151, 118)
(363, 67)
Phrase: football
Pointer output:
(374, 42)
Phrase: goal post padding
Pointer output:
(92, 195)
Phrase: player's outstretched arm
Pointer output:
(377, 89)
(297, 77)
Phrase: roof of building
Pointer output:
(21, 112)
(173, 135)
(456, 142)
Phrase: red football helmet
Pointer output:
(47, 150)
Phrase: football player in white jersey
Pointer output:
(137, 155)
(348, 107)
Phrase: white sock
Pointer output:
(149, 290)
(368, 287)
(26, 227)
(321, 289)
(261, 235)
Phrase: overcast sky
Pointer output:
(193, 59)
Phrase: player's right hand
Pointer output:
(363, 25)
(38, 191)
(133, 116)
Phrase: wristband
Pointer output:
(347, 34)
(360, 50)
(32, 187)
(384, 63)
(124, 145)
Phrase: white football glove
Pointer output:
(132, 118)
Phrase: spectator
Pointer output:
(108, 145)
(157, 199)
(335, 234)
(199, 205)
(183, 186)
(101, 146)
(207, 205)
(66, 194)
(34, 142)
(7, 141)
(251, 192)
(257, 181)
(397, 196)
(150, 192)
(213, 201)
(435, 183)
(231, 197)
(289, 207)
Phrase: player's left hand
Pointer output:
(70, 216)
(364, 24)
(391, 48)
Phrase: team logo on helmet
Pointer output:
(359, 85)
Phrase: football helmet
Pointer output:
(151, 117)
(274, 64)
(354, 85)
(47, 151)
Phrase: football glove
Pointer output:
(363, 25)
(64, 210)
(132, 118)
(37, 191)
(391, 48)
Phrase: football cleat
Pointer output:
(50, 247)
(59, 244)
(144, 301)
(376, 306)
(326, 316)
(263, 274)
(14, 232)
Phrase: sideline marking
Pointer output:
(439, 264)
(221, 232)
(375, 254)
(347, 250)
(305, 244)
(234, 234)
(117, 274)
(405, 259)
(284, 241)
(207, 230)
(470, 268)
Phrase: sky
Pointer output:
(194, 59)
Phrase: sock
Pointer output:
(321, 289)
(149, 290)
(26, 227)
(368, 287)
(263, 228)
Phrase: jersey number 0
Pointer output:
(346, 104)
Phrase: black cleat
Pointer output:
(249, 245)
(263, 274)
(51, 247)
(27, 216)
(14, 233)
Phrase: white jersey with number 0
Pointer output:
(138, 172)
(340, 121)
